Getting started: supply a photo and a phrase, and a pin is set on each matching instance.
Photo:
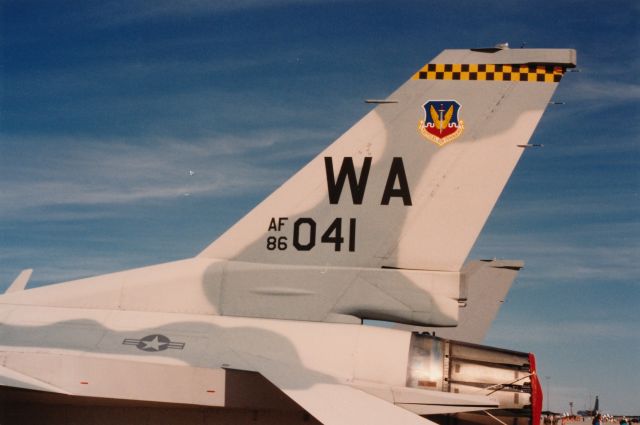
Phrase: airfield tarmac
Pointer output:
(581, 421)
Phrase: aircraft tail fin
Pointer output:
(412, 183)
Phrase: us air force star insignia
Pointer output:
(155, 342)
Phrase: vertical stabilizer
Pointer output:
(412, 183)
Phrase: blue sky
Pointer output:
(106, 105)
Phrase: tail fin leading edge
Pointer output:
(412, 183)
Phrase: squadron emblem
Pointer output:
(441, 123)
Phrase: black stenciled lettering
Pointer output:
(312, 234)
(347, 170)
(352, 235)
(274, 243)
(396, 173)
(333, 234)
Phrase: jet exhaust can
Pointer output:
(507, 376)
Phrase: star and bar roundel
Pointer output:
(154, 342)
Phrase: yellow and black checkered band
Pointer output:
(491, 72)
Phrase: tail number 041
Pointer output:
(305, 232)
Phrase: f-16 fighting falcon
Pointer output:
(267, 321)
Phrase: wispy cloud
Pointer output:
(48, 267)
(586, 254)
(605, 91)
(119, 12)
(571, 204)
(95, 172)
(510, 333)
(593, 99)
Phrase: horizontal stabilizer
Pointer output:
(429, 402)
(425, 402)
(11, 378)
(329, 401)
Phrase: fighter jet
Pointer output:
(268, 319)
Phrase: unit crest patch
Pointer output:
(441, 122)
